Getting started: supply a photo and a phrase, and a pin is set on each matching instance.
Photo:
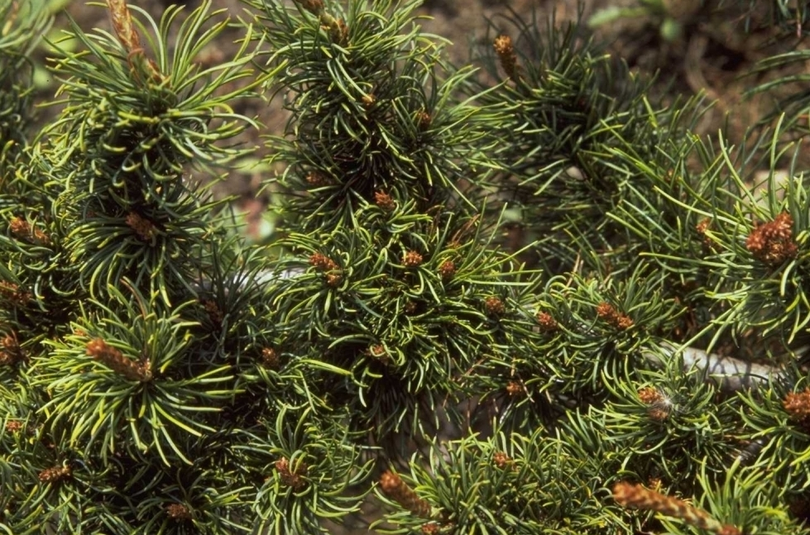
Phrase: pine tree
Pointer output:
(516, 297)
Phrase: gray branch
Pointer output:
(730, 374)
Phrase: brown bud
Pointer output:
(619, 321)
(423, 119)
(13, 426)
(660, 406)
(702, 228)
(395, 488)
(772, 243)
(447, 269)
(19, 227)
(10, 351)
(494, 306)
(142, 227)
(506, 55)
(514, 388)
(547, 323)
(123, 26)
(384, 201)
(114, 359)
(379, 352)
(292, 478)
(322, 262)
(14, 294)
(270, 358)
(24, 231)
(368, 99)
(411, 259)
(797, 404)
(502, 460)
(55, 474)
(649, 395)
(338, 29)
(628, 495)
(178, 512)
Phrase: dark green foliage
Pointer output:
(316, 470)
(161, 375)
(178, 384)
(131, 206)
(510, 484)
(403, 316)
(23, 24)
(670, 412)
(569, 106)
(369, 111)
(125, 292)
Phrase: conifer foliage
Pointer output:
(391, 357)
